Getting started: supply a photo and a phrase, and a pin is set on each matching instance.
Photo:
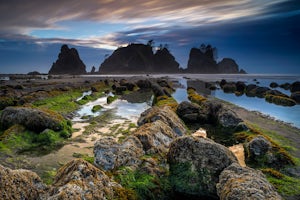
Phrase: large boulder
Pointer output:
(188, 112)
(20, 184)
(166, 115)
(109, 154)
(237, 182)
(195, 165)
(228, 118)
(79, 179)
(155, 137)
(68, 62)
(32, 118)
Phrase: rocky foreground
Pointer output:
(198, 167)
(165, 157)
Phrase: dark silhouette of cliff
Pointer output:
(68, 62)
(202, 60)
(139, 58)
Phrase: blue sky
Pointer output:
(262, 36)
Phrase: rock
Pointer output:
(139, 58)
(195, 165)
(164, 62)
(223, 82)
(228, 118)
(109, 154)
(276, 93)
(144, 84)
(68, 62)
(296, 96)
(295, 87)
(79, 179)
(34, 73)
(253, 90)
(274, 85)
(166, 115)
(93, 70)
(158, 90)
(32, 118)
(20, 184)
(155, 137)
(242, 71)
(285, 86)
(120, 90)
(228, 66)
(188, 111)
(240, 86)
(201, 62)
(258, 146)
(280, 100)
(237, 182)
(229, 87)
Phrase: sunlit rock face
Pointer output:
(68, 62)
(238, 182)
(195, 165)
(20, 184)
(139, 58)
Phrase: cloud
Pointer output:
(19, 16)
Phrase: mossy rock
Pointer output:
(96, 108)
(111, 99)
(194, 97)
(279, 100)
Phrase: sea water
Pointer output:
(283, 113)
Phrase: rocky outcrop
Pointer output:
(155, 137)
(164, 62)
(68, 62)
(109, 154)
(20, 184)
(79, 179)
(32, 118)
(166, 115)
(201, 62)
(296, 97)
(237, 182)
(195, 165)
(209, 112)
(228, 66)
(139, 58)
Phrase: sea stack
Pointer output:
(68, 62)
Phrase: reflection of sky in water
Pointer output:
(287, 114)
(121, 108)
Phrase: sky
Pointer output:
(262, 36)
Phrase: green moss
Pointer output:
(17, 139)
(48, 176)
(63, 102)
(166, 101)
(111, 99)
(86, 157)
(96, 108)
(286, 185)
(144, 185)
(6, 101)
(194, 97)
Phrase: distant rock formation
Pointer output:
(228, 66)
(68, 62)
(34, 73)
(139, 58)
(93, 70)
(201, 60)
